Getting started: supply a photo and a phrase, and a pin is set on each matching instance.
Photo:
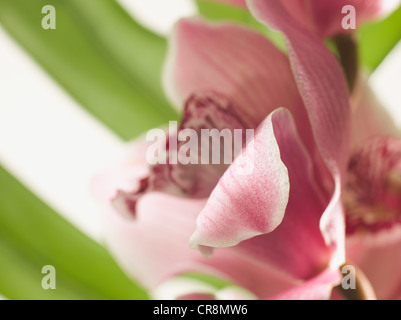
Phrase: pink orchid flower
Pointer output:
(280, 231)
(373, 196)
(324, 18)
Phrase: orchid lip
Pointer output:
(373, 196)
(209, 116)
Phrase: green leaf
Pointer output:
(218, 283)
(378, 39)
(219, 11)
(109, 63)
(32, 235)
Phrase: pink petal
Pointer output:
(196, 297)
(398, 294)
(325, 17)
(243, 206)
(125, 175)
(154, 247)
(325, 94)
(296, 246)
(236, 62)
(320, 81)
(379, 257)
(214, 66)
(318, 288)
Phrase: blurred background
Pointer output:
(70, 99)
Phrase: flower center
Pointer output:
(373, 194)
